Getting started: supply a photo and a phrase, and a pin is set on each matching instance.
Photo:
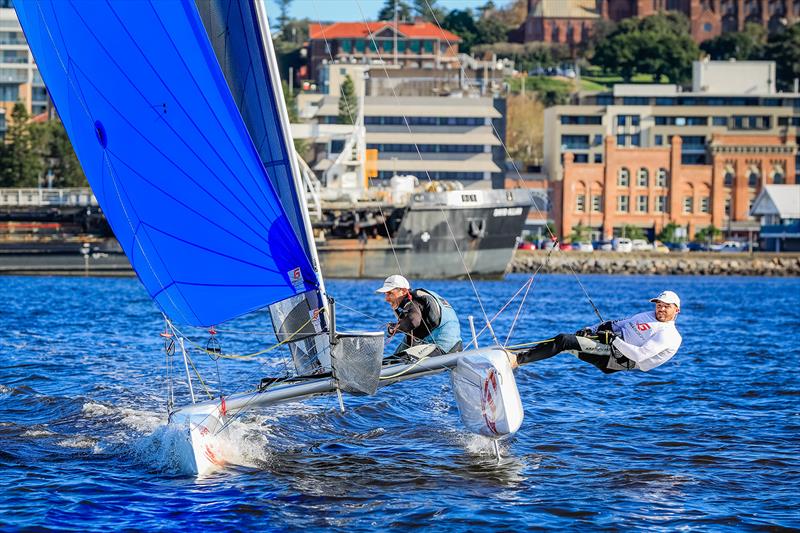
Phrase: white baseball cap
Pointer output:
(668, 297)
(394, 282)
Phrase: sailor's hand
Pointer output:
(583, 332)
(606, 337)
(391, 329)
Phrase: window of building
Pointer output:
(661, 204)
(778, 178)
(749, 122)
(707, 27)
(597, 203)
(728, 206)
(428, 47)
(641, 203)
(634, 120)
(598, 140)
(681, 121)
(622, 204)
(598, 158)
(642, 177)
(347, 45)
(401, 45)
(659, 140)
(635, 100)
(581, 158)
(705, 203)
(688, 204)
(581, 120)
(752, 179)
(604, 99)
(580, 203)
(414, 45)
(728, 179)
(575, 142)
(636, 139)
(621, 120)
(719, 121)
(387, 45)
(621, 140)
(661, 177)
(623, 177)
(361, 45)
(665, 101)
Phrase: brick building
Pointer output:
(648, 155)
(650, 187)
(417, 45)
(570, 21)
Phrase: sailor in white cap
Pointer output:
(641, 342)
(423, 316)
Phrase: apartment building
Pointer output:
(19, 78)
(648, 155)
(449, 139)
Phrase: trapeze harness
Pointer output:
(439, 325)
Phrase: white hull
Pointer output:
(204, 423)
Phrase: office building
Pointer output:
(648, 155)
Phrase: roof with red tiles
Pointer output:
(362, 30)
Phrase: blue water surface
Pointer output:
(709, 441)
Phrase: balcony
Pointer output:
(779, 231)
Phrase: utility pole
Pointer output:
(395, 30)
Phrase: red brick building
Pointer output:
(650, 187)
(571, 21)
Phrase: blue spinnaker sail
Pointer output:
(168, 157)
(234, 30)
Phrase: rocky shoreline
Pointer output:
(701, 264)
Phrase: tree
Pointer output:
(745, 45)
(429, 10)
(524, 132)
(21, 156)
(460, 22)
(632, 232)
(64, 165)
(490, 30)
(708, 234)
(580, 233)
(283, 13)
(348, 102)
(659, 45)
(388, 9)
(670, 233)
(784, 48)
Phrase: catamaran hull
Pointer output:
(203, 422)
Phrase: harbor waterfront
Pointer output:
(694, 263)
(708, 440)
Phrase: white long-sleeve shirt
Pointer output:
(646, 341)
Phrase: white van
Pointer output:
(621, 244)
(641, 245)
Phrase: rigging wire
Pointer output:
(427, 174)
(520, 179)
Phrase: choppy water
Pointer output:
(711, 440)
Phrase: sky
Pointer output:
(351, 10)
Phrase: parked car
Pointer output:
(583, 247)
(660, 247)
(677, 246)
(621, 244)
(564, 246)
(547, 245)
(729, 247)
(641, 245)
(604, 246)
(697, 247)
(525, 245)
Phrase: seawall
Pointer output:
(692, 263)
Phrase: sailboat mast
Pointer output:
(272, 63)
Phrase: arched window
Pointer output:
(624, 177)
(729, 178)
(778, 178)
(662, 178)
(642, 178)
(752, 179)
